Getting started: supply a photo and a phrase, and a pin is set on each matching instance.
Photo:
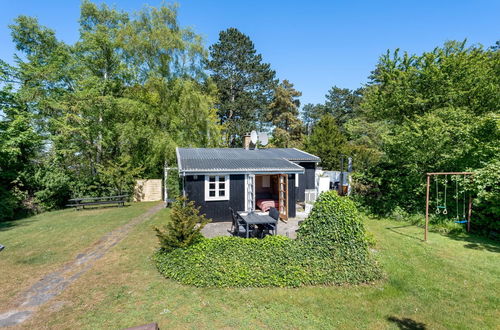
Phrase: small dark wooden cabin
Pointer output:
(246, 179)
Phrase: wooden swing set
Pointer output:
(442, 209)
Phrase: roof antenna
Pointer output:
(263, 138)
(254, 138)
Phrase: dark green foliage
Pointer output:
(184, 226)
(235, 262)
(327, 142)
(310, 114)
(404, 86)
(341, 103)
(334, 222)
(331, 248)
(54, 187)
(244, 82)
(283, 114)
(486, 188)
(19, 144)
(120, 175)
(111, 108)
(435, 112)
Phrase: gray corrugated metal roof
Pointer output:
(205, 160)
(292, 154)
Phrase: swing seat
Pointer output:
(461, 221)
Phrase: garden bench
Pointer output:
(80, 203)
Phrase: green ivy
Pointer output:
(331, 248)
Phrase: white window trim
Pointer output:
(217, 197)
(249, 178)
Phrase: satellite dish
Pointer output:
(263, 138)
(253, 137)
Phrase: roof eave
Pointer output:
(242, 171)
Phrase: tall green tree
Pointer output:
(342, 103)
(19, 145)
(455, 75)
(172, 101)
(244, 82)
(132, 88)
(284, 115)
(433, 112)
(311, 113)
(327, 142)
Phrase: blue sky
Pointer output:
(314, 44)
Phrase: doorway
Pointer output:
(271, 191)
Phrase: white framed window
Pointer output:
(216, 187)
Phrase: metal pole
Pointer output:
(165, 192)
(341, 190)
(470, 212)
(427, 207)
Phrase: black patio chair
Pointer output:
(238, 227)
(273, 213)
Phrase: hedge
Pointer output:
(331, 248)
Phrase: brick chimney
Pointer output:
(246, 141)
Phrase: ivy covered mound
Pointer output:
(331, 248)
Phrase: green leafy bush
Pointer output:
(331, 249)
(486, 189)
(54, 187)
(184, 227)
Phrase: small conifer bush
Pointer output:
(184, 227)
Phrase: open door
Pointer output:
(283, 196)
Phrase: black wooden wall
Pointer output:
(216, 210)
(219, 210)
(306, 180)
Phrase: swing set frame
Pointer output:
(427, 199)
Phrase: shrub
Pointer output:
(335, 222)
(331, 249)
(486, 188)
(54, 187)
(184, 226)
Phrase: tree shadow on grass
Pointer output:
(28, 219)
(394, 230)
(9, 224)
(477, 242)
(406, 323)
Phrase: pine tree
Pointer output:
(184, 227)
(284, 115)
(245, 84)
(342, 103)
(327, 142)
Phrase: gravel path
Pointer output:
(53, 284)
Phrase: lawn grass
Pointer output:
(444, 283)
(39, 244)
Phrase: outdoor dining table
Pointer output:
(252, 218)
